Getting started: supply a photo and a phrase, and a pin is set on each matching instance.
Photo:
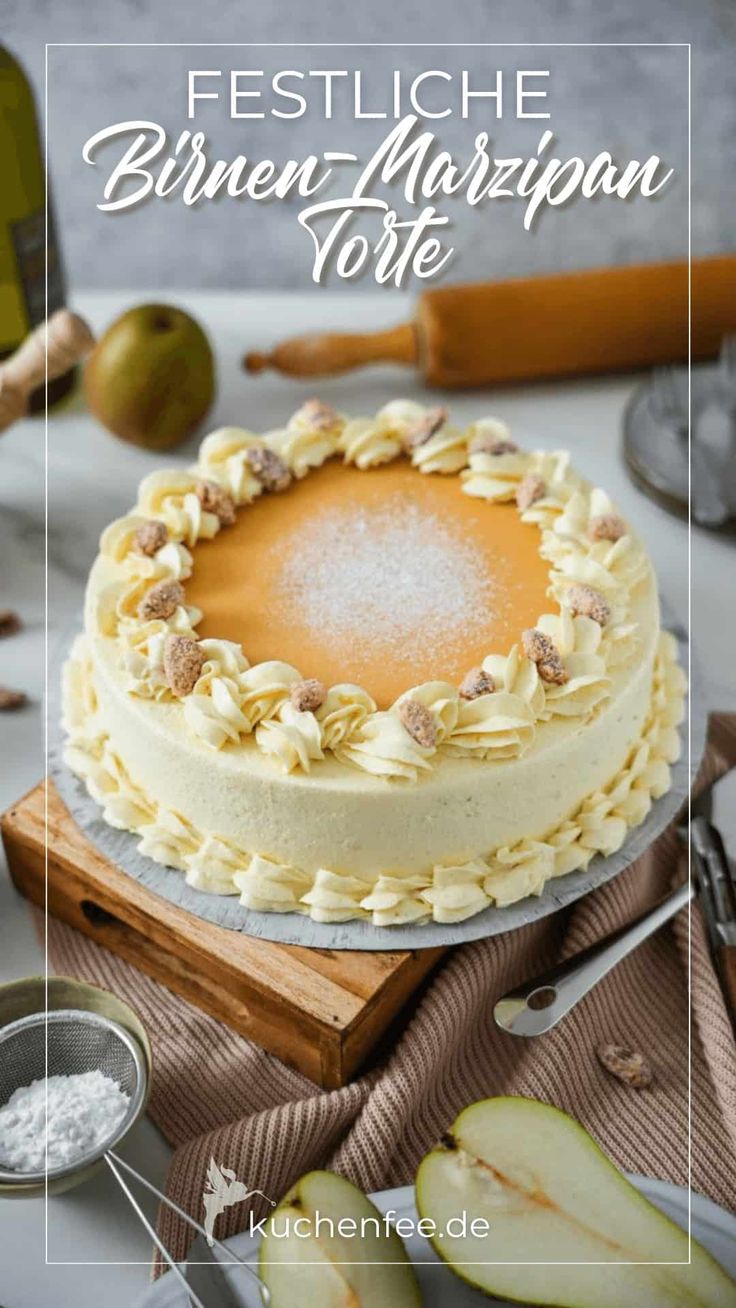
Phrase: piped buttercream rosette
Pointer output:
(369, 442)
(171, 497)
(310, 437)
(223, 458)
(384, 748)
(587, 684)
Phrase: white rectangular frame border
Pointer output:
(398, 45)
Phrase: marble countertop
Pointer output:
(92, 478)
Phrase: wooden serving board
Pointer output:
(322, 1011)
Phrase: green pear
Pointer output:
(315, 1264)
(151, 377)
(550, 1196)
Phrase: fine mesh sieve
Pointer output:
(78, 1041)
(83, 1041)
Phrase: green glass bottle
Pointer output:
(24, 247)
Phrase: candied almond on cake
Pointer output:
(161, 601)
(215, 499)
(308, 695)
(485, 443)
(427, 426)
(318, 414)
(268, 468)
(530, 489)
(475, 683)
(541, 650)
(589, 603)
(151, 537)
(183, 663)
(606, 526)
(419, 722)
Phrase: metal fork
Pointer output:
(669, 403)
(727, 373)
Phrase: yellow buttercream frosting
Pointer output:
(342, 809)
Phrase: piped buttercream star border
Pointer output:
(560, 668)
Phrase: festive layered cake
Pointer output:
(377, 668)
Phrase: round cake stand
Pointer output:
(295, 929)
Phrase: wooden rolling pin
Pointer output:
(602, 320)
(69, 338)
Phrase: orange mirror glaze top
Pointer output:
(385, 577)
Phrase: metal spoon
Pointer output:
(536, 1006)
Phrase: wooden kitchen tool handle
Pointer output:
(68, 339)
(560, 325)
(324, 355)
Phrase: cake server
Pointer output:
(534, 1007)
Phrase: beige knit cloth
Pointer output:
(217, 1095)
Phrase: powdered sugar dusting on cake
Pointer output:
(397, 578)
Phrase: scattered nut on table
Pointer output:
(11, 699)
(626, 1065)
(10, 623)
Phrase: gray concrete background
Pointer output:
(630, 101)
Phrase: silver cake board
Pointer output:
(120, 847)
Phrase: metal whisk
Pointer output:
(81, 1041)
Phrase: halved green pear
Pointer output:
(549, 1196)
(318, 1264)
